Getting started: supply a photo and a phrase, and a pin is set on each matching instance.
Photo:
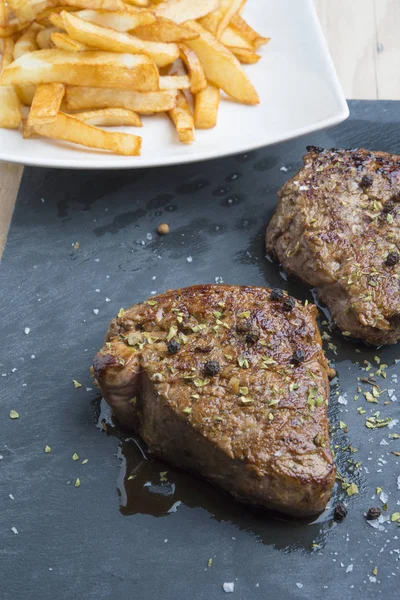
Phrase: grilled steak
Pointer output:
(229, 382)
(337, 228)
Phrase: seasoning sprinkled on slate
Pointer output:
(276, 294)
(173, 346)
(340, 512)
(212, 368)
(392, 259)
(288, 304)
(298, 357)
(373, 513)
(366, 182)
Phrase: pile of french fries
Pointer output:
(84, 64)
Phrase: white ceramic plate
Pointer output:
(296, 81)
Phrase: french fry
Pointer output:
(221, 67)
(62, 41)
(248, 32)
(70, 129)
(185, 10)
(79, 98)
(229, 9)
(206, 106)
(10, 109)
(174, 82)
(98, 69)
(110, 117)
(120, 21)
(27, 41)
(164, 30)
(26, 94)
(195, 69)
(111, 5)
(46, 104)
(22, 9)
(57, 20)
(231, 38)
(182, 119)
(106, 39)
(139, 3)
(247, 57)
(44, 16)
(43, 38)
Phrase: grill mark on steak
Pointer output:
(244, 416)
(335, 226)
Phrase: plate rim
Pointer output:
(139, 163)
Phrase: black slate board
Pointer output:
(74, 543)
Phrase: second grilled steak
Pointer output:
(337, 227)
(230, 382)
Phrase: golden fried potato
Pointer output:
(110, 117)
(62, 41)
(46, 103)
(78, 98)
(70, 129)
(206, 106)
(10, 108)
(120, 21)
(195, 69)
(174, 82)
(221, 67)
(185, 10)
(182, 119)
(164, 30)
(99, 69)
(109, 40)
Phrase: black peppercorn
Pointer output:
(366, 182)
(243, 326)
(298, 357)
(288, 304)
(212, 368)
(392, 259)
(340, 512)
(315, 149)
(173, 346)
(373, 513)
(253, 336)
(276, 294)
(388, 207)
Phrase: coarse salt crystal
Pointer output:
(398, 482)
(108, 300)
(349, 568)
(96, 311)
(229, 587)
(383, 497)
(97, 290)
(13, 370)
(11, 496)
(299, 585)
(33, 356)
(304, 188)
(392, 423)
(384, 443)
(189, 259)
(284, 169)
(14, 530)
(342, 400)
(26, 330)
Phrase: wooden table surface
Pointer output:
(364, 39)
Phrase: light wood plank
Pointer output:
(10, 176)
(349, 26)
(387, 13)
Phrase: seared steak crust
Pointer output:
(337, 227)
(242, 401)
